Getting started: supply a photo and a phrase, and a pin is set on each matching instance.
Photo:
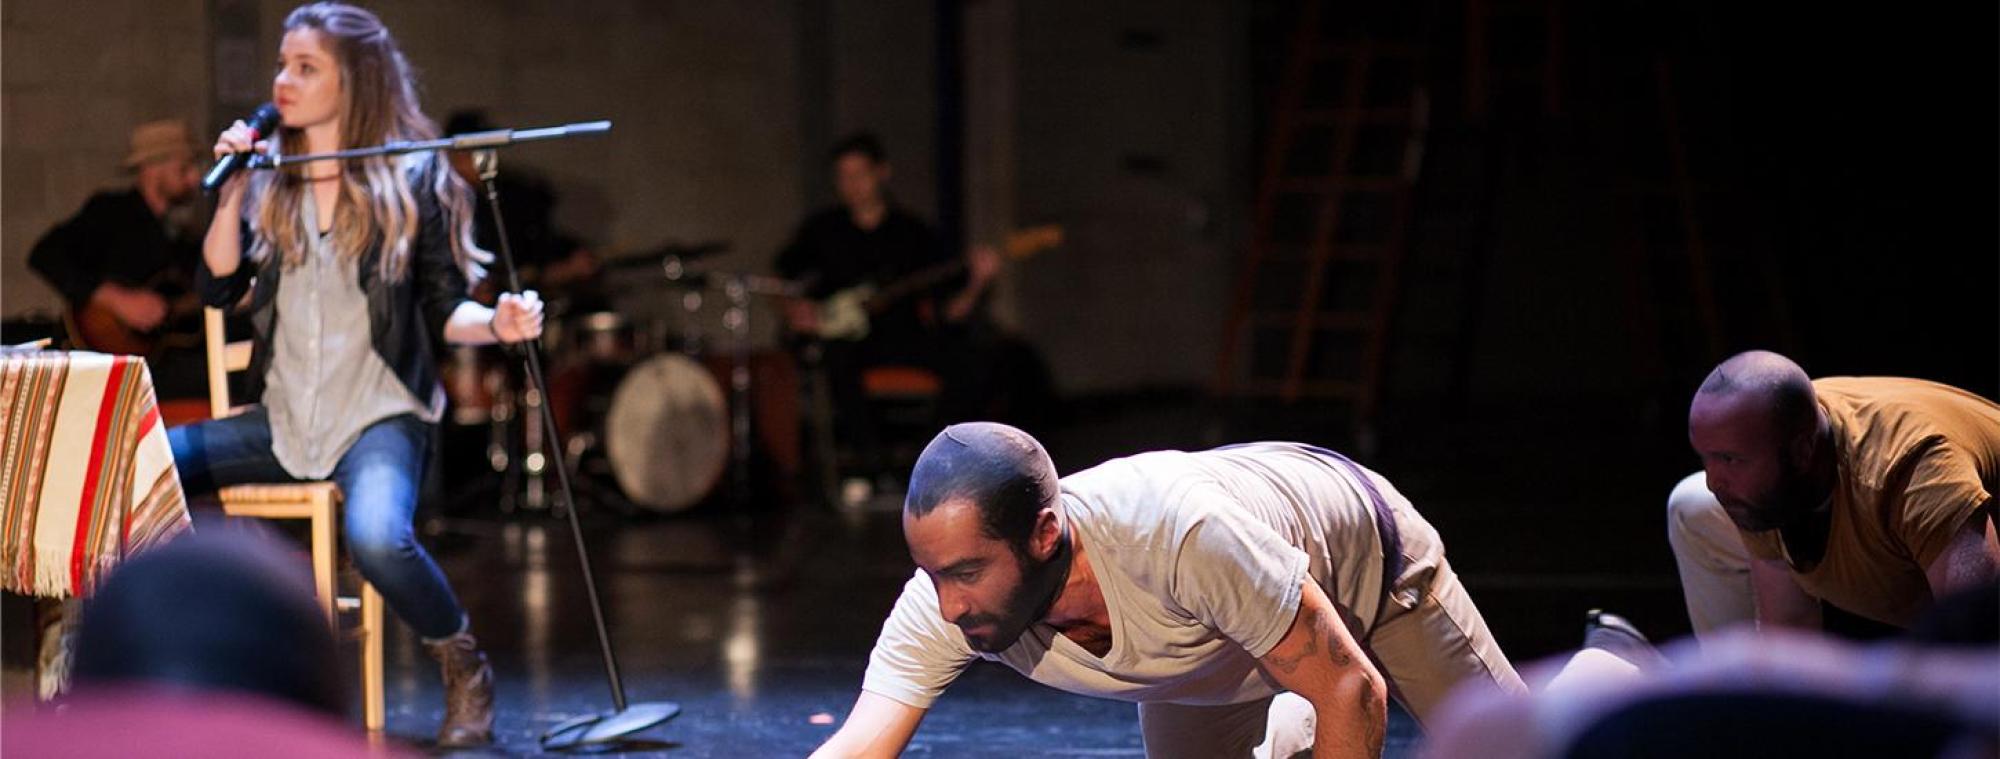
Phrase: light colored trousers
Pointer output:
(1423, 652)
(1714, 566)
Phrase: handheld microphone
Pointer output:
(259, 122)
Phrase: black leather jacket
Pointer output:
(406, 318)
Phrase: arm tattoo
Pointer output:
(1370, 704)
(1319, 633)
(1290, 664)
(1322, 635)
(1341, 658)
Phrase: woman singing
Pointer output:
(358, 272)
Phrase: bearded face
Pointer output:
(991, 590)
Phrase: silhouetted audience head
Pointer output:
(225, 610)
(1722, 724)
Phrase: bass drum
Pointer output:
(667, 433)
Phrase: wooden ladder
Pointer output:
(1314, 301)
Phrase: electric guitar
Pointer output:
(844, 315)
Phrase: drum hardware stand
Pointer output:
(574, 448)
(737, 321)
(738, 290)
(536, 455)
(529, 468)
(626, 718)
(825, 449)
(517, 468)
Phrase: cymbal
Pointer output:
(656, 256)
(719, 281)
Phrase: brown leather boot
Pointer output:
(468, 691)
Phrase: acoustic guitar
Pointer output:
(98, 329)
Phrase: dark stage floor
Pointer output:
(752, 648)
(756, 631)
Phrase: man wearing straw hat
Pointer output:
(117, 262)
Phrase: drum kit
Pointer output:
(657, 406)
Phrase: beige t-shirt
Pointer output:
(1916, 460)
(1201, 557)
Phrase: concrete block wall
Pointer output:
(1126, 136)
(74, 79)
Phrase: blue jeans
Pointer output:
(378, 477)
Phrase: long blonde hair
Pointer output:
(379, 100)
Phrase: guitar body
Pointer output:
(844, 314)
(99, 330)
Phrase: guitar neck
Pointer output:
(915, 282)
(1018, 245)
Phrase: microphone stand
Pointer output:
(470, 141)
(625, 718)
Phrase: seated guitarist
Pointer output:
(124, 260)
(868, 240)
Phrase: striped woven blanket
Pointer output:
(86, 475)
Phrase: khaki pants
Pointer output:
(1424, 650)
(1714, 566)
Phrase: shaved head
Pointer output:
(1757, 426)
(1767, 382)
(998, 469)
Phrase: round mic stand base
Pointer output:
(610, 728)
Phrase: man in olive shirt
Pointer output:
(1871, 494)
